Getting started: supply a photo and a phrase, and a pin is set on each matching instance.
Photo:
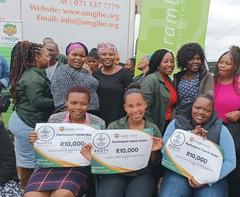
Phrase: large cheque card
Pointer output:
(119, 151)
(191, 155)
(59, 144)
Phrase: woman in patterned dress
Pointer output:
(193, 78)
(72, 181)
(74, 74)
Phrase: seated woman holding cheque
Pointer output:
(140, 183)
(71, 181)
(201, 120)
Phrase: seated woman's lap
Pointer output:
(219, 189)
(141, 186)
(112, 185)
(176, 185)
(57, 193)
(126, 186)
(75, 180)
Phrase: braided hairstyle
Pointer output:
(234, 53)
(23, 56)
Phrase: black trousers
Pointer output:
(234, 176)
(234, 181)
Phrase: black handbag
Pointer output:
(4, 102)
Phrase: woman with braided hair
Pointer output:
(227, 106)
(30, 90)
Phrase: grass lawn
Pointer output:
(7, 115)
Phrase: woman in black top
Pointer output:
(8, 174)
(113, 80)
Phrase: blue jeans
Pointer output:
(118, 185)
(176, 185)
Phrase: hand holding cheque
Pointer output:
(111, 149)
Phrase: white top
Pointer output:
(50, 71)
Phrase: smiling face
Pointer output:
(167, 64)
(194, 64)
(202, 110)
(107, 57)
(77, 105)
(135, 106)
(225, 66)
(76, 58)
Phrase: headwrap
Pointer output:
(76, 45)
(107, 45)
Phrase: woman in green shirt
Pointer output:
(140, 183)
(32, 98)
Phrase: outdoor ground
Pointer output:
(7, 115)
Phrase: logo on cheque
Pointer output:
(178, 138)
(101, 140)
(116, 135)
(45, 133)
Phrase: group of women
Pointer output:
(163, 96)
(101, 98)
(194, 79)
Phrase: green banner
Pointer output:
(170, 24)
